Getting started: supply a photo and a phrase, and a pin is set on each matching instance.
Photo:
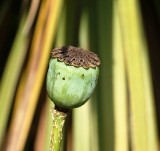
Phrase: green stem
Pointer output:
(57, 129)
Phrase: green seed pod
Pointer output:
(72, 76)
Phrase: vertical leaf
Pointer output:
(42, 142)
(136, 59)
(119, 89)
(34, 74)
(11, 75)
(81, 139)
(101, 42)
(81, 120)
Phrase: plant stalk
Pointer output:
(57, 129)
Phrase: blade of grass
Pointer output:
(11, 74)
(81, 120)
(60, 37)
(93, 125)
(152, 137)
(133, 41)
(101, 41)
(14, 66)
(31, 15)
(49, 123)
(35, 72)
(119, 89)
(44, 129)
(90, 110)
(72, 22)
(84, 31)
(81, 139)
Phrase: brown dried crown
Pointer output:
(76, 56)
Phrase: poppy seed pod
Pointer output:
(72, 76)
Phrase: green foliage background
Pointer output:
(123, 113)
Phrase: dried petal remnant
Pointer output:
(75, 56)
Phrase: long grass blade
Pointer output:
(101, 41)
(119, 89)
(44, 129)
(34, 74)
(136, 66)
(11, 75)
(81, 120)
(151, 123)
(81, 137)
(14, 65)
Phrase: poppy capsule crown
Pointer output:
(72, 76)
(77, 57)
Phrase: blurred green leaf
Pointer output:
(11, 75)
(134, 47)
(101, 27)
(34, 74)
(81, 118)
(119, 88)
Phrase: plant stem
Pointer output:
(57, 129)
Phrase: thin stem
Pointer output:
(57, 129)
